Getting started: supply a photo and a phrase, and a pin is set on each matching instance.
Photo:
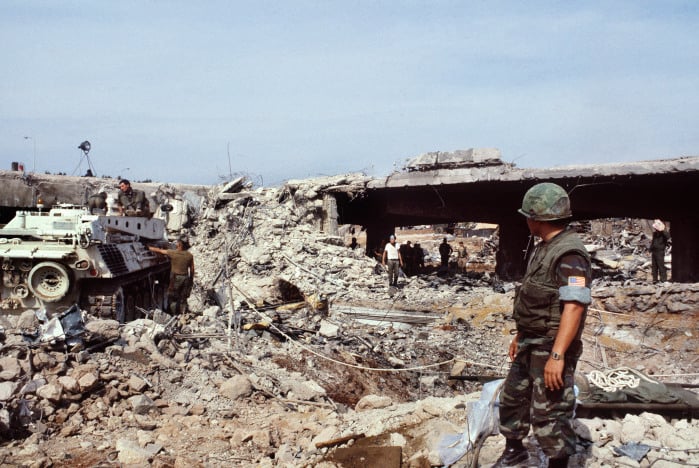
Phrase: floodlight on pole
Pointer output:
(85, 147)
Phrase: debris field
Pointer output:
(295, 352)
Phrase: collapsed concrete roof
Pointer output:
(438, 174)
(493, 193)
(472, 157)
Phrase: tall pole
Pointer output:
(34, 144)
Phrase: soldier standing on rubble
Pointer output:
(181, 276)
(395, 261)
(406, 253)
(445, 251)
(657, 251)
(418, 259)
(132, 202)
(463, 257)
(549, 309)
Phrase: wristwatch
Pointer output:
(555, 356)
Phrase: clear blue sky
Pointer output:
(166, 90)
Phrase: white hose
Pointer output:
(617, 379)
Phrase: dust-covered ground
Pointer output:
(295, 352)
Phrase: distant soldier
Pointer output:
(657, 249)
(463, 257)
(418, 258)
(181, 276)
(445, 251)
(406, 252)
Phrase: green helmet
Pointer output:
(546, 202)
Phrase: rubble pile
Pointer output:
(621, 266)
(295, 352)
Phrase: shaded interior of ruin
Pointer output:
(648, 196)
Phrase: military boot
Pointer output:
(515, 454)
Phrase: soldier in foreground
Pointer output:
(181, 276)
(549, 310)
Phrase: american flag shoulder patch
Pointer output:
(576, 281)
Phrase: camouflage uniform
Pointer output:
(550, 411)
(558, 272)
(134, 200)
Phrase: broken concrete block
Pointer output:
(238, 386)
(87, 381)
(131, 454)
(328, 330)
(50, 392)
(42, 360)
(10, 368)
(137, 384)
(7, 389)
(370, 402)
(307, 390)
(141, 404)
(69, 384)
(107, 329)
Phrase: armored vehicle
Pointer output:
(52, 260)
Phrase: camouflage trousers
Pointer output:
(178, 292)
(525, 402)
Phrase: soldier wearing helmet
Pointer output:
(549, 309)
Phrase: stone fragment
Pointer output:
(238, 386)
(87, 381)
(370, 402)
(328, 330)
(7, 389)
(50, 392)
(326, 434)
(131, 454)
(41, 360)
(106, 329)
(137, 384)
(69, 384)
(10, 368)
(141, 404)
(307, 390)
(33, 385)
(632, 429)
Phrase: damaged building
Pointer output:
(474, 185)
(295, 353)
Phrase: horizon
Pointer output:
(197, 94)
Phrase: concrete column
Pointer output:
(513, 239)
(684, 234)
(375, 235)
(330, 215)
